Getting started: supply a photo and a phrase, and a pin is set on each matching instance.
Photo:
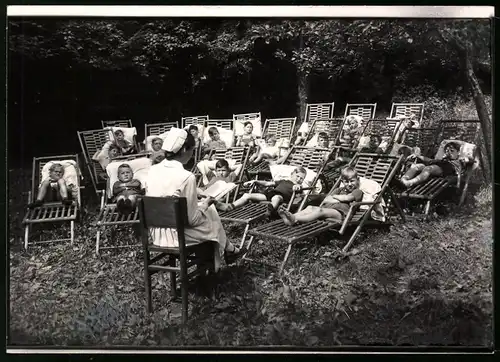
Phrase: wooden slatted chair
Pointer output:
(365, 110)
(246, 116)
(126, 123)
(407, 109)
(91, 143)
(282, 128)
(187, 121)
(318, 111)
(240, 157)
(155, 129)
(380, 168)
(171, 212)
(312, 159)
(52, 212)
(423, 138)
(430, 191)
(200, 121)
(108, 214)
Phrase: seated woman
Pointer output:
(420, 172)
(53, 188)
(169, 178)
(335, 206)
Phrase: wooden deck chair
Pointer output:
(127, 123)
(429, 191)
(423, 138)
(236, 156)
(318, 110)
(365, 110)
(108, 214)
(283, 129)
(407, 109)
(246, 116)
(311, 159)
(380, 168)
(53, 212)
(155, 129)
(91, 143)
(188, 121)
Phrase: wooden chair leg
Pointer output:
(184, 293)
(97, 240)
(72, 230)
(285, 259)
(396, 204)
(26, 235)
(147, 283)
(248, 247)
(427, 209)
(173, 283)
(242, 243)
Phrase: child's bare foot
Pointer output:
(286, 216)
(224, 207)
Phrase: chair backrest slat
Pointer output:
(188, 121)
(222, 123)
(365, 110)
(126, 123)
(280, 127)
(331, 126)
(154, 129)
(318, 110)
(232, 153)
(407, 109)
(423, 138)
(465, 130)
(246, 116)
(163, 212)
(311, 158)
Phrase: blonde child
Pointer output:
(53, 188)
(449, 165)
(126, 189)
(351, 132)
(280, 193)
(335, 206)
(247, 139)
(269, 152)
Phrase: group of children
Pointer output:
(335, 206)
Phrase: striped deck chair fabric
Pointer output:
(53, 212)
(365, 110)
(380, 168)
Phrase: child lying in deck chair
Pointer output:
(281, 192)
(126, 147)
(451, 164)
(268, 151)
(373, 146)
(53, 188)
(247, 139)
(335, 206)
(215, 142)
(126, 189)
(352, 130)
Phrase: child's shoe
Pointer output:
(34, 204)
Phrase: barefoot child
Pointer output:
(335, 206)
(449, 165)
(247, 139)
(269, 152)
(281, 193)
(53, 188)
(126, 189)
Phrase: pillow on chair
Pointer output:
(225, 134)
(71, 175)
(148, 142)
(239, 128)
(283, 172)
(128, 133)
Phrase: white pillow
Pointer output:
(239, 127)
(304, 128)
(283, 172)
(102, 156)
(370, 189)
(225, 134)
(283, 142)
(467, 150)
(364, 141)
(149, 140)
(205, 166)
(70, 175)
(128, 133)
(140, 167)
(313, 142)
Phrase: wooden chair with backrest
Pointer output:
(365, 110)
(171, 213)
(376, 167)
(126, 123)
(407, 109)
(52, 212)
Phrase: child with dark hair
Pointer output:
(222, 172)
(323, 141)
(125, 146)
(420, 172)
(280, 193)
(215, 142)
(247, 139)
(156, 143)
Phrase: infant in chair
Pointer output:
(126, 189)
(53, 188)
(268, 152)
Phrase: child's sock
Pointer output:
(36, 203)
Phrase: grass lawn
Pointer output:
(414, 284)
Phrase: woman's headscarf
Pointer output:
(174, 140)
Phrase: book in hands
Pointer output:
(219, 189)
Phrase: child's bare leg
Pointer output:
(276, 201)
(427, 173)
(42, 191)
(413, 171)
(317, 213)
(133, 201)
(243, 200)
(63, 189)
(258, 158)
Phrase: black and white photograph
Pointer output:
(149, 153)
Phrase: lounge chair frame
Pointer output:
(53, 211)
(253, 212)
(109, 216)
(126, 123)
(365, 110)
(429, 191)
(155, 129)
(406, 109)
(380, 168)
(188, 121)
(318, 110)
(246, 116)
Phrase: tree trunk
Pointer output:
(302, 86)
(484, 118)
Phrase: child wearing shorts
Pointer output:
(126, 189)
(53, 188)
(247, 139)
